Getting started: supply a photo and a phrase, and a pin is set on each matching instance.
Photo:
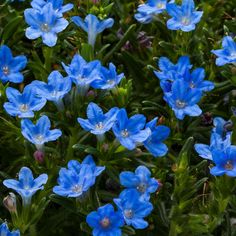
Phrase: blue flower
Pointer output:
(221, 127)
(56, 4)
(147, 11)
(141, 181)
(105, 221)
(108, 78)
(170, 72)
(10, 66)
(97, 122)
(77, 179)
(83, 73)
(56, 88)
(183, 17)
(196, 80)
(27, 186)
(40, 132)
(23, 104)
(183, 100)
(130, 131)
(216, 143)
(225, 162)
(133, 208)
(154, 144)
(74, 165)
(93, 26)
(226, 55)
(5, 231)
(44, 23)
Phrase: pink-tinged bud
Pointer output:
(91, 94)
(10, 202)
(105, 147)
(39, 156)
(95, 1)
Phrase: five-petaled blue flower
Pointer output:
(141, 181)
(108, 78)
(23, 104)
(83, 73)
(56, 4)
(182, 99)
(105, 221)
(44, 23)
(97, 122)
(93, 26)
(10, 66)
(226, 55)
(154, 144)
(184, 17)
(56, 88)
(4, 231)
(40, 132)
(133, 208)
(146, 12)
(27, 186)
(170, 72)
(78, 178)
(225, 162)
(130, 131)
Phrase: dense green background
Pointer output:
(191, 202)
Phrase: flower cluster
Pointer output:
(182, 87)
(220, 150)
(78, 178)
(130, 132)
(184, 17)
(133, 204)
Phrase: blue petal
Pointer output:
(49, 38)
(79, 22)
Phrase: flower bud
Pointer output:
(10, 202)
(39, 156)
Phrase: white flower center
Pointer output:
(24, 108)
(105, 222)
(142, 187)
(192, 85)
(5, 70)
(124, 133)
(233, 55)
(110, 81)
(129, 213)
(180, 104)
(229, 165)
(45, 27)
(99, 125)
(39, 138)
(77, 189)
(185, 21)
(160, 5)
(54, 93)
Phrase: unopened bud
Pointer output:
(10, 202)
(39, 156)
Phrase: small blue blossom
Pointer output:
(93, 26)
(133, 208)
(105, 221)
(222, 127)
(170, 72)
(78, 178)
(10, 66)
(4, 231)
(108, 79)
(141, 181)
(40, 132)
(183, 100)
(97, 122)
(184, 17)
(146, 12)
(154, 144)
(225, 162)
(56, 88)
(27, 186)
(226, 55)
(23, 104)
(83, 73)
(56, 4)
(44, 23)
(130, 131)
(196, 80)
